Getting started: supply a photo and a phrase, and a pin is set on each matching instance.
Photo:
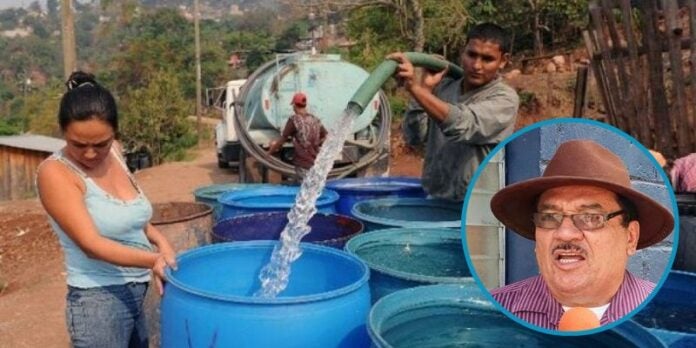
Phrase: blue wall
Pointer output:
(528, 155)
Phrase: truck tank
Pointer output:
(263, 107)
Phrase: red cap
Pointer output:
(299, 99)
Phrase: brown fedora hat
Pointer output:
(581, 162)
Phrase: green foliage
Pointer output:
(291, 35)
(41, 109)
(446, 24)
(526, 97)
(398, 103)
(7, 127)
(155, 116)
(145, 55)
(562, 21)
(52, 9)
(377, 33)
(10, 18)
(162, 40)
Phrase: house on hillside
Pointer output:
(20, 156)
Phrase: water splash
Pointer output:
(275, 275)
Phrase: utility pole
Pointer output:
(68, 34)
(196, 16)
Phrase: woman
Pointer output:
(101, 217)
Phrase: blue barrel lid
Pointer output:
(260, 197)
(214, 191)
(418, 212)
(376, 184)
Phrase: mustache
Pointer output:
(568, 246)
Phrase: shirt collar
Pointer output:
(543, 303)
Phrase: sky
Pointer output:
(5, 4)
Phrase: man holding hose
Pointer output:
(460, 121)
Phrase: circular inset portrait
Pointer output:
(568, 226)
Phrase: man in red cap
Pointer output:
(587, 221)
(306, 131)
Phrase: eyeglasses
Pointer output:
(583, 221)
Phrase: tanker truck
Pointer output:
(255, 110)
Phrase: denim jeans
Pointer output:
(107, 317)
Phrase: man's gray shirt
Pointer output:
(477, 121)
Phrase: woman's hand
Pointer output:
(166, 258)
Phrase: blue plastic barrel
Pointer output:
(208, 301)
(401, 258)
(327, 229)
(384, 213)
(353, 190)
(449, 315)
(210, 194)
(268, 199)
(671, 315)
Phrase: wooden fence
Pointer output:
(17, 171)
(645, 67)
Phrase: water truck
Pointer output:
(255, 110)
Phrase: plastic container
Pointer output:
(671, 315)
(186, 225)
(269, 199)
(384, 213)
(210, 194)
(327, 229)
(353, 190)
(686, 257)
(209, 302)
(448, 315)
(401, 258)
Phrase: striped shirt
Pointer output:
(684, 174)
(531, 301)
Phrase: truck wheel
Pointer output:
(223, 164)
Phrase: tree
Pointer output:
(52, 9)
(155, 116)
(408, 13)
(41, 107)
(536, 23)
(291, 35)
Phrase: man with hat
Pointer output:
(587, 221)
(306, 131)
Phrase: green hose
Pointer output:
(386, 69)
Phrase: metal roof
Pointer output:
(33, 142)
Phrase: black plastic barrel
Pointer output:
(686, 255)
(327, 229)
(671, 315)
